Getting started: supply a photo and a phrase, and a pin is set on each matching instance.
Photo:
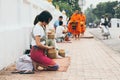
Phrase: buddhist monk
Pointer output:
(74, 25)
(82, 23)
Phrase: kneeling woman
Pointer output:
(38, 42)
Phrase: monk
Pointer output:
(74, 25)
(82, 23)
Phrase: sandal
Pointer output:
(27, 72)
(15, 72)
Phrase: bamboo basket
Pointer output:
(51, 36)
(52, 30)
(61, 52)
(52, 53)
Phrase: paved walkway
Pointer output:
(113, 42)
(90, 60)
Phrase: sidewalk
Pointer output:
(113, 42)
(90, 60)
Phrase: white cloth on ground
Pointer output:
(24, 63)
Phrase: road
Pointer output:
(113, 42)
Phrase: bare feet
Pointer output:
(35, 66)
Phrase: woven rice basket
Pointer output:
(61, 52)
(52, 53)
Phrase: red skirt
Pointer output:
(38, 55)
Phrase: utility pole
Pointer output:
(81, 4)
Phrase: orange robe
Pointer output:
(82, 23)
(74, 18)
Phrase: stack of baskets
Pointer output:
(52, 53)
(51, 34)
(50, 42)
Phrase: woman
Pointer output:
(38, 42)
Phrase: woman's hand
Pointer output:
(50, 47)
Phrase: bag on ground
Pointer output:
(24, 63)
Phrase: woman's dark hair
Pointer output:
(44, 16)
(36, 20)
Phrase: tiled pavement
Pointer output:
(90, 60)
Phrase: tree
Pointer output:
(105, 8)
(117, 11)
(68, 5)
(90, 16)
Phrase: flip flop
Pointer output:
(15, 72)
(27, 72)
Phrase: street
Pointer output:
(113, 42)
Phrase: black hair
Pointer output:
(44, 16)
(36, 20)
(60, 17)
(60, 23)
(102, 16)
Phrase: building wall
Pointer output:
(115, 23)
(16, 22)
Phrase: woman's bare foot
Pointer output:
(35, 66)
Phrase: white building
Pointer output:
(115, 22)
(16, 22)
